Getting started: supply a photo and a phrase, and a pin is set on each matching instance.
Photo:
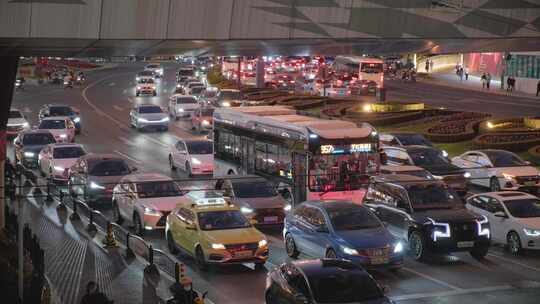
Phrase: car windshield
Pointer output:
(52, 124)
(413, 139)
(186, 100)
(38, 139)
(68, 152)
(195, 84)
(146, 80)
(146, 73)
(504, 159)
(523, 208)
(250, 189)
(158, 189)
(60, 111)
(152, 66)
(222, 220)
(199, 147)
(428, 157)
(197, 90)
(228, 95)
(430, 197)
(210, 94)
(150, 110)
(207, 112)
(352, 218)
(15, 114)
(186, 72)
(113, 167)
(343, 287)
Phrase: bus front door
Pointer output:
(248, 155)
(299, 173)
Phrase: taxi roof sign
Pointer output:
(207, 198)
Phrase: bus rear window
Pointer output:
(371, 68)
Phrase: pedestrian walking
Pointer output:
(431, 64)
(427, 65)
(509, 83)
(488, 80)
(483, 79)
(460, 74)
(466, 73)
(94, 296)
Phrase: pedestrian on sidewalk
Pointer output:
(466, 73)
(460, 74)
(431, 64)
(483, 79)
(94, 296)
(427, 65)
(488, 80)
(538, 88)
(509, 83)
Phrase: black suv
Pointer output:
(427, 215)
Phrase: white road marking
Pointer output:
(451, 293)
(425, 276)
(112, 84)
(128, 157)
(514, 262)
(118, 108)
(126, 141)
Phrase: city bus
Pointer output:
(370, 70)
(307, 157)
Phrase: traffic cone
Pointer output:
(110, 240)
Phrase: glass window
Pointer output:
(260, 156)
(523, 208)
(479, 202)
(221, 220)
(353, 287)
(158, 189)
(314, 216)
(261, 188)
(295, 279)
(113, 167)
(504, 159)
(354, 218)
(68, 152)
(493, 206)
(15, 114)
(146, 81)
(53, 124)
(430, 197)
(200, 147)
(340, 172)
(186, 100)
(60, 111)
(150, 109)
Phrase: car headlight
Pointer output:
(94, 185)
(398, 247)
(225, 104)
(349, 251)
(531, 232)
(180, 110)
(440, 230)
(467, 175)
(58, 168)
(150, 211)
(25, 125)
(438, 177)
(262, 243)
(29, 154)
(287, 207)
(508, 176)
(195, 161)
(138, 88)
(205, 122)
(218, 246)
(246, 210)
(178, 86)
(142, 120)
(483, 227)
(76, 119)
(164, 119)
(137, 78)
(62, 136)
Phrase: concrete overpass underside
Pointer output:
(255, 27)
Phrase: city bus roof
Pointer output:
(358, 59)
(283, 121)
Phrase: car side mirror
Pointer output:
(500, 214)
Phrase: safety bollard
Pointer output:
(151, 255)
(151, 268)
(110, 241)
(74, 216)
(178, 275)
(129, 252)
(49, 197)
(61, 206)
(91, 226)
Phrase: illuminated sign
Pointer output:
(353, 148)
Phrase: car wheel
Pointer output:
(513, 243)
(200, 260)
(138, 226)
(417, 246)
(494, 184)
(188, 170)
(170, 243)
(171, 163)
(116, 214)
(479, 253)
(330, 254)
(290, 247)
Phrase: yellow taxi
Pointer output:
(214, 231)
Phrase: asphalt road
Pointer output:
(105, 102)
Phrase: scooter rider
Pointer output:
(184, 294)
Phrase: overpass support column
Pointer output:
(259, 77)
(8, 74)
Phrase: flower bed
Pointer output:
(515, 142)
(534, 152)
(503, 125)
(457, 127)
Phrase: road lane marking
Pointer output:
(428, 277)
(128, 157)
(126, 141)
(451, 293)
(118, 108)
(514, 262)
(124, 91)
(112, 84)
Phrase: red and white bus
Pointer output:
(370, 70)
(309, 158)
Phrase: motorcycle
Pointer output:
(68, 84)
(80, 79)
(19, 85)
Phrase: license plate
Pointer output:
(378, 260)
(243, 254)
(465, 244)
(530, 183)
(270, 219)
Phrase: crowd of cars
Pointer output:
(417, 204)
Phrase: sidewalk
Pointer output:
(473, 83)
(73, 257)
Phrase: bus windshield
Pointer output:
(371, 67)
(340, 172)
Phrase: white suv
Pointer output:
(145, 200)
(182, 105)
